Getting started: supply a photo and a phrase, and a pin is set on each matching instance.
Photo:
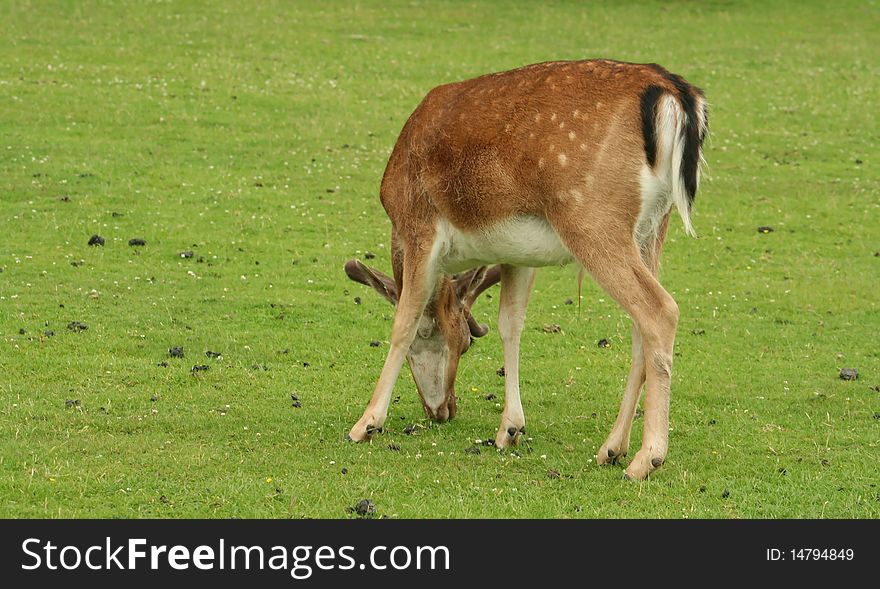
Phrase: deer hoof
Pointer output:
(509, 436)
(643, 465)
(363, 430)
(609, 454)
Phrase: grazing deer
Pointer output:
(543, 165)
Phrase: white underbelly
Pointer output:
(521, 241)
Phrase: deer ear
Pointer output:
(381, 283)
(471, 285)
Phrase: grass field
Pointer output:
(255, 136)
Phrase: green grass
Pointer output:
(255, 135)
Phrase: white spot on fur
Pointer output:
(553, 117)
(572, 135)
(563, 160)
(540, 162)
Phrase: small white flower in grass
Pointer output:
(543, 456)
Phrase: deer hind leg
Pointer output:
(617, 444)
(613, 259)
(516, 284)
(419, 280)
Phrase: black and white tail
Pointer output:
(675, 123)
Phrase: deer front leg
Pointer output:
(419, 281)
(516, 284)
(617, 444)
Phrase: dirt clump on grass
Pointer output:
(364, 508)
(849, 374)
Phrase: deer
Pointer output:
(494, 177)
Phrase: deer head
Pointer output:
(445, 331)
